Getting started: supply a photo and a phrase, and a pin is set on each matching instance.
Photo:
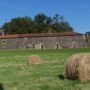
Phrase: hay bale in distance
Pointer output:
(34, 59)
(78, 67)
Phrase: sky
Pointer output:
(76, 12)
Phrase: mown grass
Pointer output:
(15, 74)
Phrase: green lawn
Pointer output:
(16, 75)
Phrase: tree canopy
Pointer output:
(40, 23)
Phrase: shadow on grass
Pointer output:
(61, 77)
(1, 87)
(74, 81)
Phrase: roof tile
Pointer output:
(39, 35)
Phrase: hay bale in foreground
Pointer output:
(78, 67)
(34, 59)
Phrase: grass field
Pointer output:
(16, 75)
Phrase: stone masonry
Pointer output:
(44, 41)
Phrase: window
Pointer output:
(33, 46)
(42, 46)
(57, 45)
(74, 44)
(3, 41)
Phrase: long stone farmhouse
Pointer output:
(44, 41)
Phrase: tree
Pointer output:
(41, 23)
(40, 18)
(6, 28)
(19, 25)
(59, 25)
(49, 21)
(62, 27)
(57, 18)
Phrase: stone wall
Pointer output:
(44, 42)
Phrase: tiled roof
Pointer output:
(39, 35)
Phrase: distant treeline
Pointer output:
(41, 23)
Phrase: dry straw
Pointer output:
(78, 67)
(34, 59)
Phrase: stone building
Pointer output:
(44, 41)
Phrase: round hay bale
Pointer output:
(34, 59)
(78, 67)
